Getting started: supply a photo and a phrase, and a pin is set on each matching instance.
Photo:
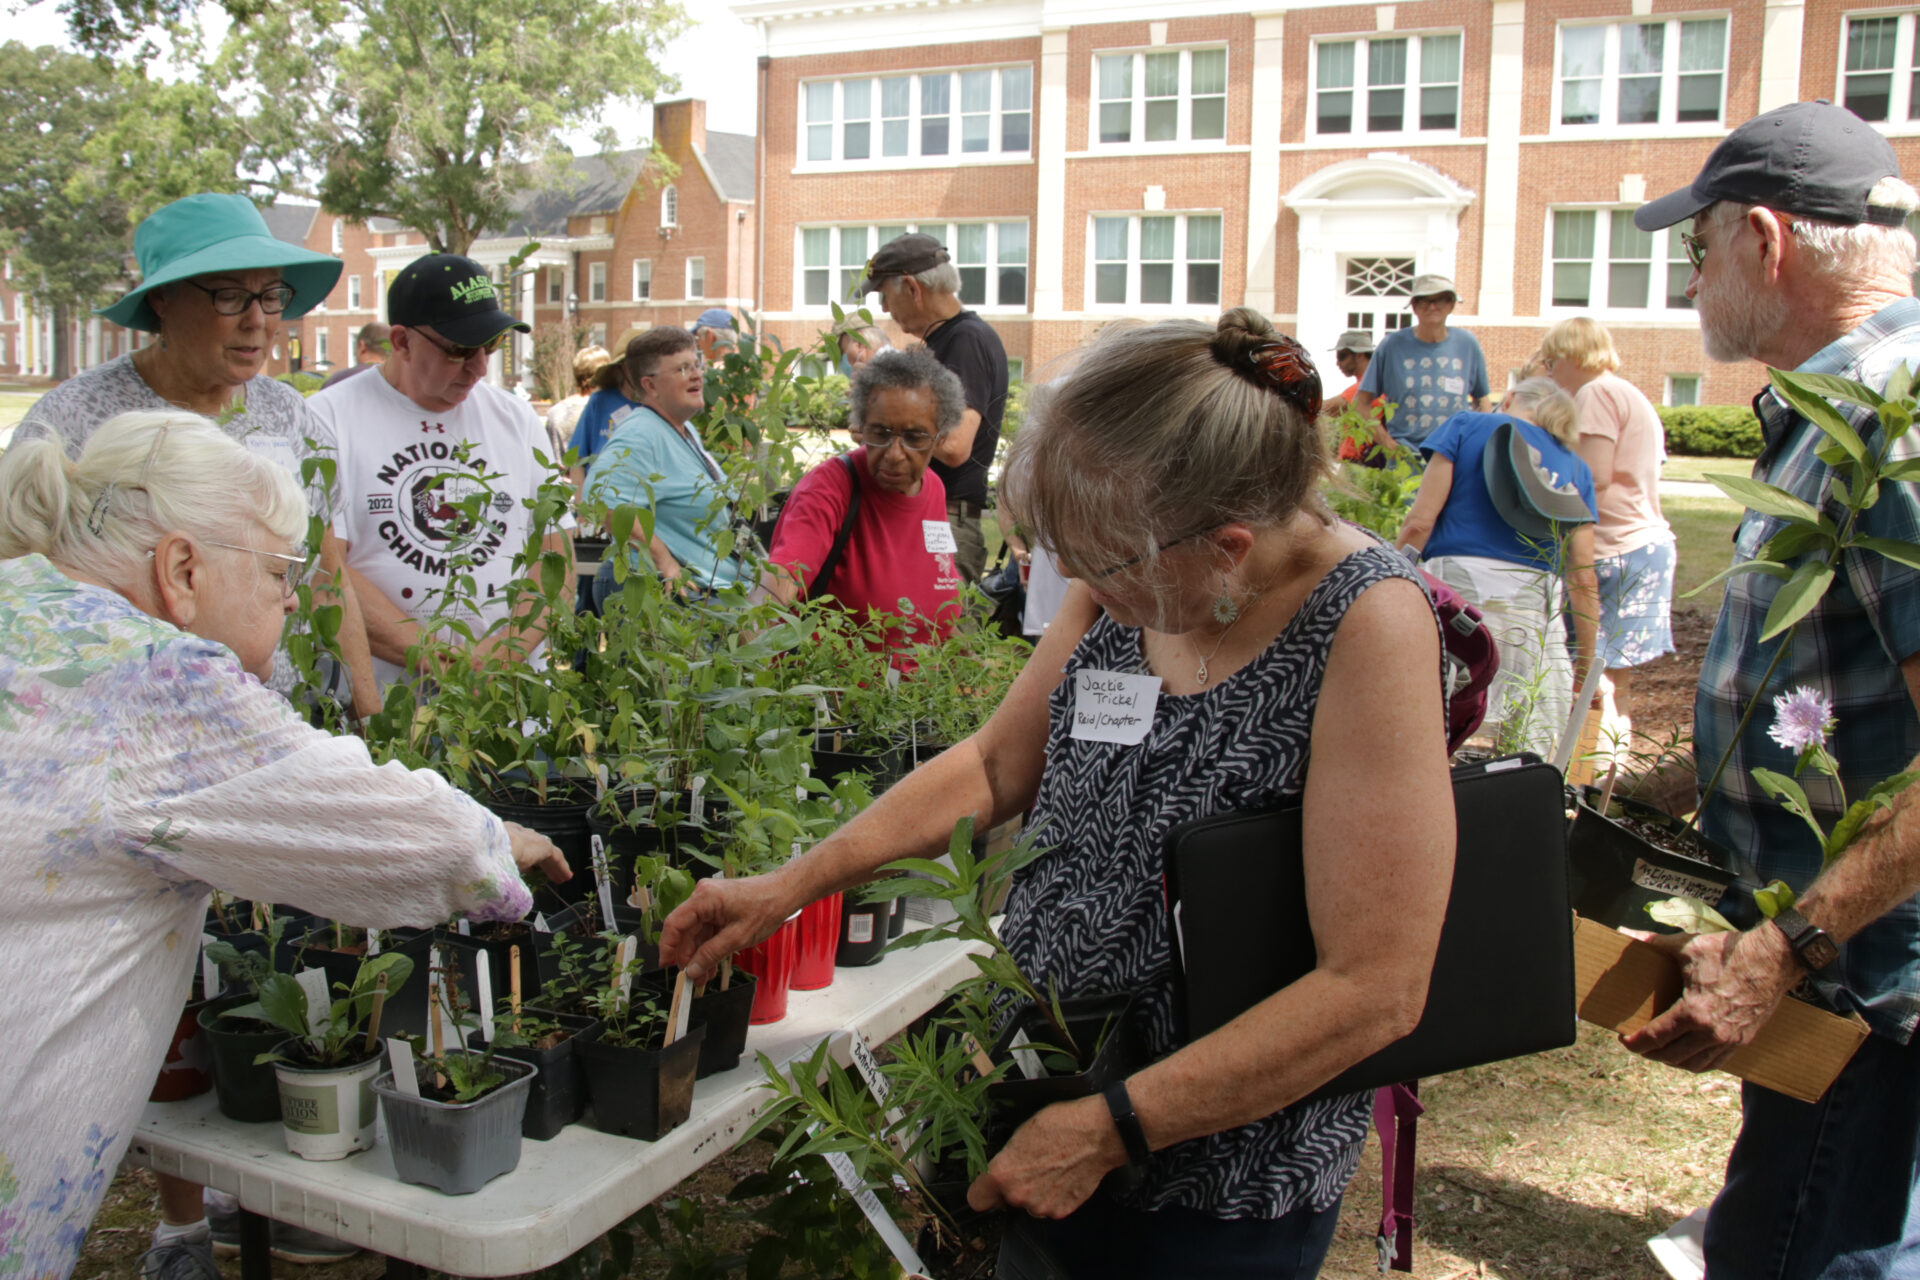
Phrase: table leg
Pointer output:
(401, 1269)
(256, 1243)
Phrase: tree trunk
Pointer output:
(62, 343)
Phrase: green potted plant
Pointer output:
(640, 1075)
(244, 1088)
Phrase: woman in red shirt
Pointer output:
(897, 553)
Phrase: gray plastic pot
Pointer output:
(457, 1147)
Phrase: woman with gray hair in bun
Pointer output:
(142, 763)
(868, 529)
(1276, 654)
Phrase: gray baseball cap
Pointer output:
(1358, 341)
(1431, 285)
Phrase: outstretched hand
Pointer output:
(1733, 983)
(720, 918)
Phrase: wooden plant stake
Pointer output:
(726, 973)
(373, 1015)
(435, 1044)
(678, 1011)
(513, 984)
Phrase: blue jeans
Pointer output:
(1828, 1189)
(1103, 1241)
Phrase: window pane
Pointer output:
(1580, 102)
(1627, 283)
(1582, 51)
(1573, 234)
(970, 242)
(1013, 286)
(1335, 113)
(1156, 282)
(1016, 131)
(1703, 45)
(1209, 71)
(1439, 59)
(1162, 74)
(1012, 238)
(1642, 47)
(1440, 107)
(1386, 62)
(853, 246)
(1677, 275)
(1336, 65)
(819, 142)
(1386, 110)
(1209, 119)
(1570, 283)
(1870, 43)
(896, 96)
(975, 133)
(1203, 239)
(1110, 282)
(973, 286)
(1156, 239)
(820, 102)
(1913, 98)
(893, 138)
(1116, 122)
(976, 90)
(856, 100)
(1116, 76)
(815, 287)
(1109, 239)
(1683, 389)
(1699, 98)
(933, 136)
(859, 142)
(890, 232)
(1163, 120)
(1640, 100)
(1870, 97)
(1203, 284)
(815, 243)
(1016, 88)
(936, 95)
(1627, 241)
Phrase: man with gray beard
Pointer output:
(1802, 261)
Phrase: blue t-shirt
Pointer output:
(646, 463)
(1429, 381)
(605, 410)
(1470, 525)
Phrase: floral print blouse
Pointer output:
(140, 766)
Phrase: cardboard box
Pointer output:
(1622, 983)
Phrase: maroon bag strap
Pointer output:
(1396, 1113)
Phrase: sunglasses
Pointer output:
(457, 354)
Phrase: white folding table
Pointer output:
(566, 1192)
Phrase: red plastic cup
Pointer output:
(773, 962)
(819, 939)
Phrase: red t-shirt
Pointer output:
(886, 556)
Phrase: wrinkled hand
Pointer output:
(1733, 983)
(1053, 1162)
(531, 850)
(720, 918)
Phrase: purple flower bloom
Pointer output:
(1801, 719)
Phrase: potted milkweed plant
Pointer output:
(640, 1066)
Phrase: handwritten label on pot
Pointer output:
(939, 536)
(603, 879)
(876, 1212)
(319, 1007)
(1114, 706)
(1665, 880)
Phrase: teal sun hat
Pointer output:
(207, 233)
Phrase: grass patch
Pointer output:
(14, 406)
(1680, 466)
(1703, 529)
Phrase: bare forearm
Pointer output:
(390, 633)
(354, 650)
(1583, 589)
(956, 446)
(663, 559)
(1876, 873)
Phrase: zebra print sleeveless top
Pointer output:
(1090, 915)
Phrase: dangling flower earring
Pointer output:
(1225, 609)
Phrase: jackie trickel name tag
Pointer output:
(1114, 706)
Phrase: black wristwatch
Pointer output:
(1132, 1136)
(1814, 945)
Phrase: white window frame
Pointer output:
(696, 278)
(1699, 381)
(1183, 139)
(1132, 305)
(1902, 100)
(642, 275)
(596, 282)
(669, 206)
(1666, 255)
(3, 350)
(998, 114)
(322, 353)
(843, 269)
(353, 293)
(1413, 86)
(339, 236)
(1670, 72)
(556, 286)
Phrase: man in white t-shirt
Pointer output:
(403, 474)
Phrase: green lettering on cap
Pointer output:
(473, 289)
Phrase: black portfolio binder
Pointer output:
(1502, 983)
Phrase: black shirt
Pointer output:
(968, 345)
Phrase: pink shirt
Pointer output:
(886, 558)
(1613, 408)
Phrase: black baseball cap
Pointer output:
(454, 295)
(906, 255)
(1809, 158)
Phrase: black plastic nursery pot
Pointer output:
(405, 1012)
(557, 1097)
(725, 1016)
(564, 821)
(539, 964)
(640, 1093)
(243, 1091)
(457, 1147)
(1103, 1025)
(1614, 871)
(837, 752)
(864, 930)
(897, 920)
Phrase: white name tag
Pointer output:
(1114, 706)
(939, 535)
(1454, 386)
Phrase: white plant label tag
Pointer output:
(1026, 1058)
(893, 677)
(600, 782)
(319, 1004)
(1114, 706)
(820, 713)
(623, 961)
(400, 1058)
(540, 924)
(1662, 880)
(373, 943)
(876, 1213)
(939, 537)
(697, 789)
(483, 993)
(465, 927)
(603, 880)
(209, 971)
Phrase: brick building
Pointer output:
(622, 245)
(1086, 160)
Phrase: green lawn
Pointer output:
(13, 407)
(1687, 467)
(1703, 528)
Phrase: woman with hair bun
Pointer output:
(142, 762)
(1295, 657)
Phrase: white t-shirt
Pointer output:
(397, 482)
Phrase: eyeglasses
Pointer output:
(1696, 247)
(678, 371)
(232, 300)
(289, 581)
(1110, 570)
(457, 354)
(882, 438)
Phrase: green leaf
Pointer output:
(1899, 383)
(1775, 898)
(1881, 796)
(1896, 549)
(1766, 498)
(1689, 915)
(1829, 386)
(283, 1002)
(1768, 567)
(1798, 597)
(1794, 800)
(1807, 393)
(1796, 540)
(1905, 470)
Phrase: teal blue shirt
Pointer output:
(646, 463)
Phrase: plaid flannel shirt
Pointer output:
(1848, 648)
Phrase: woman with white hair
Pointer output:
(1513, 561)
(142, 763)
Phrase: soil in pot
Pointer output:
(243, 1091)
(557, 1096)
(817, 940)
(726, 1015)
(1618, 864)
(456, 1147)
(326, 1113)
(641, 1093)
